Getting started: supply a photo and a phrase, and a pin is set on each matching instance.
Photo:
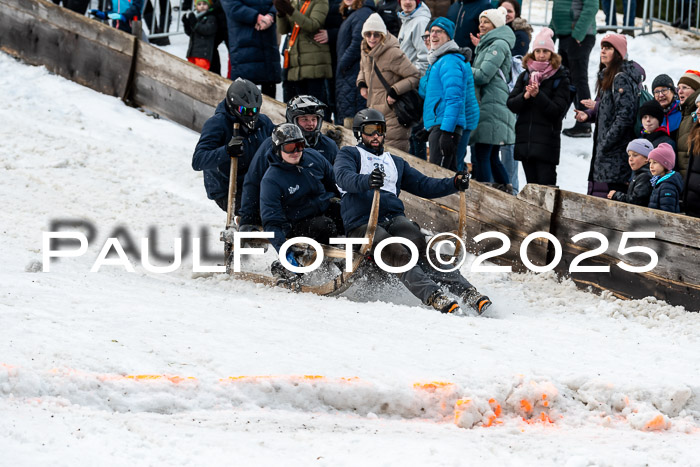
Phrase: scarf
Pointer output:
(540, 71)
(449, 46)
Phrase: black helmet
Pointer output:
(364, 117)
(306, 105)
(286, 133)
(243, 99)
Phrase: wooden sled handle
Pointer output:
(462, 226)
(232, 185)
(372, 225)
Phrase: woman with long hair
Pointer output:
(613, 112)
(691, 193)
(381, 51)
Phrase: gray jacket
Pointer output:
(412, 28)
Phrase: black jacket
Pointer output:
(202, 32)
(639, 190)
(666, 193)
(538, 126)
(658, 137)
(691, 192)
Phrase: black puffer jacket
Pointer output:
(538, 127)
(666, 193)
(639, 190)
(617, 108)
(691, 193)
(202, 32)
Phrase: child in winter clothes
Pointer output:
(639, 190)
(201, 27)
(667, 183)
(652, 115)
(540, 98)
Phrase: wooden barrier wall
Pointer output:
(115, 63)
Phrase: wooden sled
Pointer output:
(332, 287)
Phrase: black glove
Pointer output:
(376, 179)
(336, 134)
(283, 7)
(189, 21)
(234, 148)
(422, 135)
(448, 144)
(461, 180)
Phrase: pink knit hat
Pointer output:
(664, 155)
(543, 40)
(618, 42)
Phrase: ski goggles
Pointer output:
(247, 111)
(371, 129)
(295, 146)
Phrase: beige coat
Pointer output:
(401, 75)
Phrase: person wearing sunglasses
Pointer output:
(361, 169)
(385, 74)
(217, 143)
(307, 113)
(297, 195)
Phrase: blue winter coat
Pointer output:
(448, 92)
(253, 54)
(667, 192)
(465, 15)
(356, 203)
(250, 203)
(290, 193)
(130, 9)
(211, 157)
(348, 100)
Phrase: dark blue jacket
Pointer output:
(465, 15)
(130, 9)
(211, 157)
(356, 203)
(253, 54)
(349, 101)
(667, 192)
(250, 203)
(290, 193)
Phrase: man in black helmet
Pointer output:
(307, 113)
(362, 168)
(217, 143)
(297, 194)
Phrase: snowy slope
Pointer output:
(607, 382)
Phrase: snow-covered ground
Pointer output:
(245, 375)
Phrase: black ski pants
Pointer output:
(421, 280)
(540, 173)
(574, 56)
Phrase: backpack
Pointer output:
(516, 67)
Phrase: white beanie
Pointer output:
(496, 15)
(374, 23)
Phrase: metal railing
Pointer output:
(160, 18)
(683, 14)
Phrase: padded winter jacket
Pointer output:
(308, 59)
(250, 203)
(574, 18)
(448, 91)
(211, 157)
(253, 54)
(614, 118)
(539, 119)
(348, 100)
(356, 203)
(388, 10)
(686, 125)
(659, 136)
(496, 122)
(291, 193)
(410, 36)
(130, 9)
(465, 15)
(691, 193)
(202, 32)
(639, 190)
(398, 71)
(667, 192)
(523, 35)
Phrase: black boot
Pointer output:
(579, 130)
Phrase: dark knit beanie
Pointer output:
(652, 108)
(663, 81)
